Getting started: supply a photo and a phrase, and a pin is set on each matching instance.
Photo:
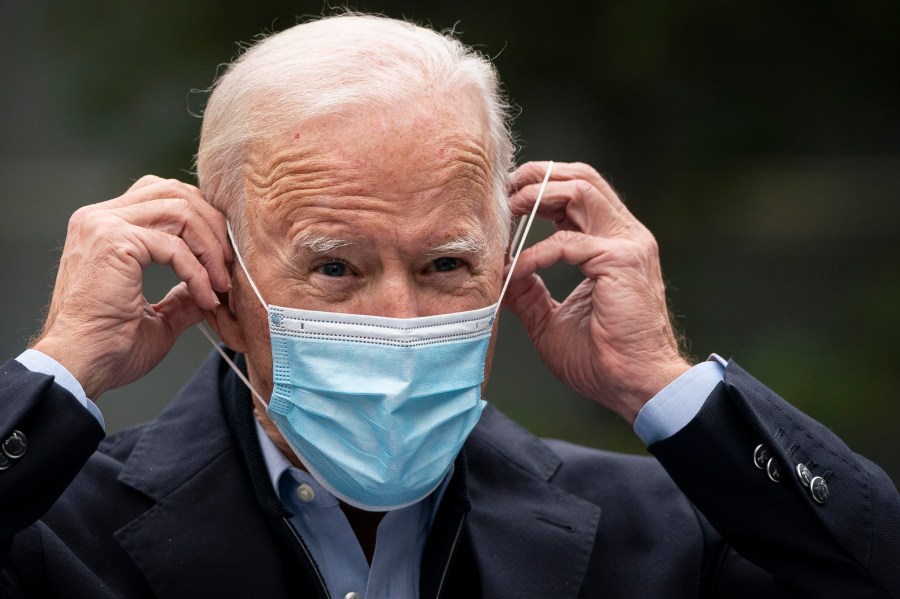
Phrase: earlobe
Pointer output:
(226, 325)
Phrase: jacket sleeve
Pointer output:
(840, 539)
(50, 436)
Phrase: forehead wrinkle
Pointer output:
(296, 173)
(266, 170)
(467, 166)
(292, 181)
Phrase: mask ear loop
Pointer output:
(209, 336)
(244, 266)
(522, 234)
(234, 367)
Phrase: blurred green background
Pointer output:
(760, 141)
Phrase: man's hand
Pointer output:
(100, 326)
(611, 339)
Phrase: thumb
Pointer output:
(530, 301)
(178, 311)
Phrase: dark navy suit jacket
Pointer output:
(182, 507)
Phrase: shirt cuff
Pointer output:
(677, 404)
(38, 361)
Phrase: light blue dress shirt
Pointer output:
(402, 533)
(399, 542)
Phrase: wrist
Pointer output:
(652, 381)
(71, 356)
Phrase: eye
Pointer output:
(333, 269)
(445, 264)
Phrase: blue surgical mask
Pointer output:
(377, 408)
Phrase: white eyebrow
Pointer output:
(467, 244)
(319, 244)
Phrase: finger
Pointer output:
(574, 205)
(155, 246)
(533, 172)
(145, 181)
(177, 216)
(178, 311)
(530, 301)
(153, 188)
(595, 256)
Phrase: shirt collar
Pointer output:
(276, 463)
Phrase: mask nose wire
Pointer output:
(521, 234)
(216, 345)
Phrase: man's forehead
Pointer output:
(338, 193)
(432, 219)
(341, 172)
(378, 140)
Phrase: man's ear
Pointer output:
(225, 323)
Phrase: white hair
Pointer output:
(471, 243)
(325, 67)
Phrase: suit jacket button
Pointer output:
(772, 471)
(819, 490)
(15, 445)
(4, 461)
(804, 474)
(761, 456)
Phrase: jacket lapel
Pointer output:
(206, 535)
(529, 537)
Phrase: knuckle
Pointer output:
(587, 168)
(528, 170)
(584, 188)
(644, 249)
(172, 187)
(86, 218)
(78, 217)
(178, 204)
(566, 237)
(179, 246)
(146, 180)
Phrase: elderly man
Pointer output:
(349, 244)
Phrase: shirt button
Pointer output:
(305, 493)
(352, 595)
